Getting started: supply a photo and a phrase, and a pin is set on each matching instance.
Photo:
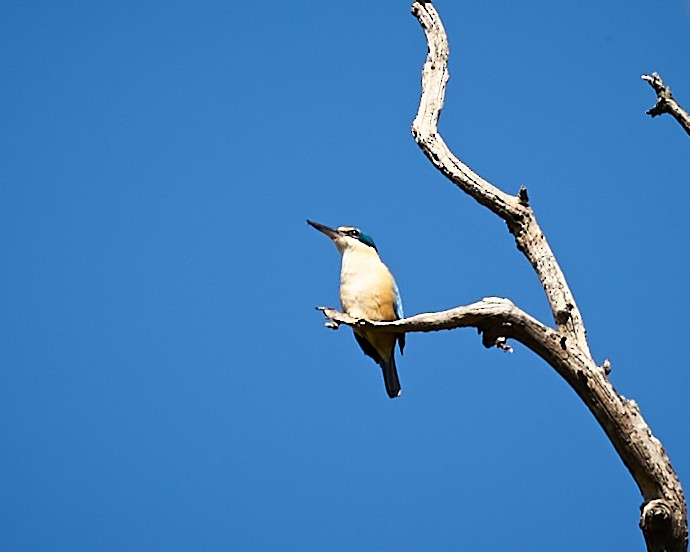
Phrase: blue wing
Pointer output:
(398, 301)
(400, 314)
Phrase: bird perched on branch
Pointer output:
(368, 290)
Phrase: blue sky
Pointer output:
(165, 382)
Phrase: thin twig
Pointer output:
(665, 102)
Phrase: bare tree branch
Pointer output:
(664, 512)
(665, 102)
(663, 515)
(515, 210)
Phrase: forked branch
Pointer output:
(515, 210)
(664, 512)
(665, 102)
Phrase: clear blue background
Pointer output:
(165, 382)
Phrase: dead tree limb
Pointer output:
(515, 210)
(665, 102)
(664, 512)
(663, 517)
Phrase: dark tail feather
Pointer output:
(390, 373)
(390, 378)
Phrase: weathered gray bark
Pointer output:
(664, 512)
(665, 102)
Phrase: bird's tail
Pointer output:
(390, 377)
(390, 373)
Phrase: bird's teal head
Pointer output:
(344, 235)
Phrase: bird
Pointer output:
(368, 290)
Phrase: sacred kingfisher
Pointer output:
(368, 290)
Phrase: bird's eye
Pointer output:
(354, 233)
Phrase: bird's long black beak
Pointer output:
(330, 232)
